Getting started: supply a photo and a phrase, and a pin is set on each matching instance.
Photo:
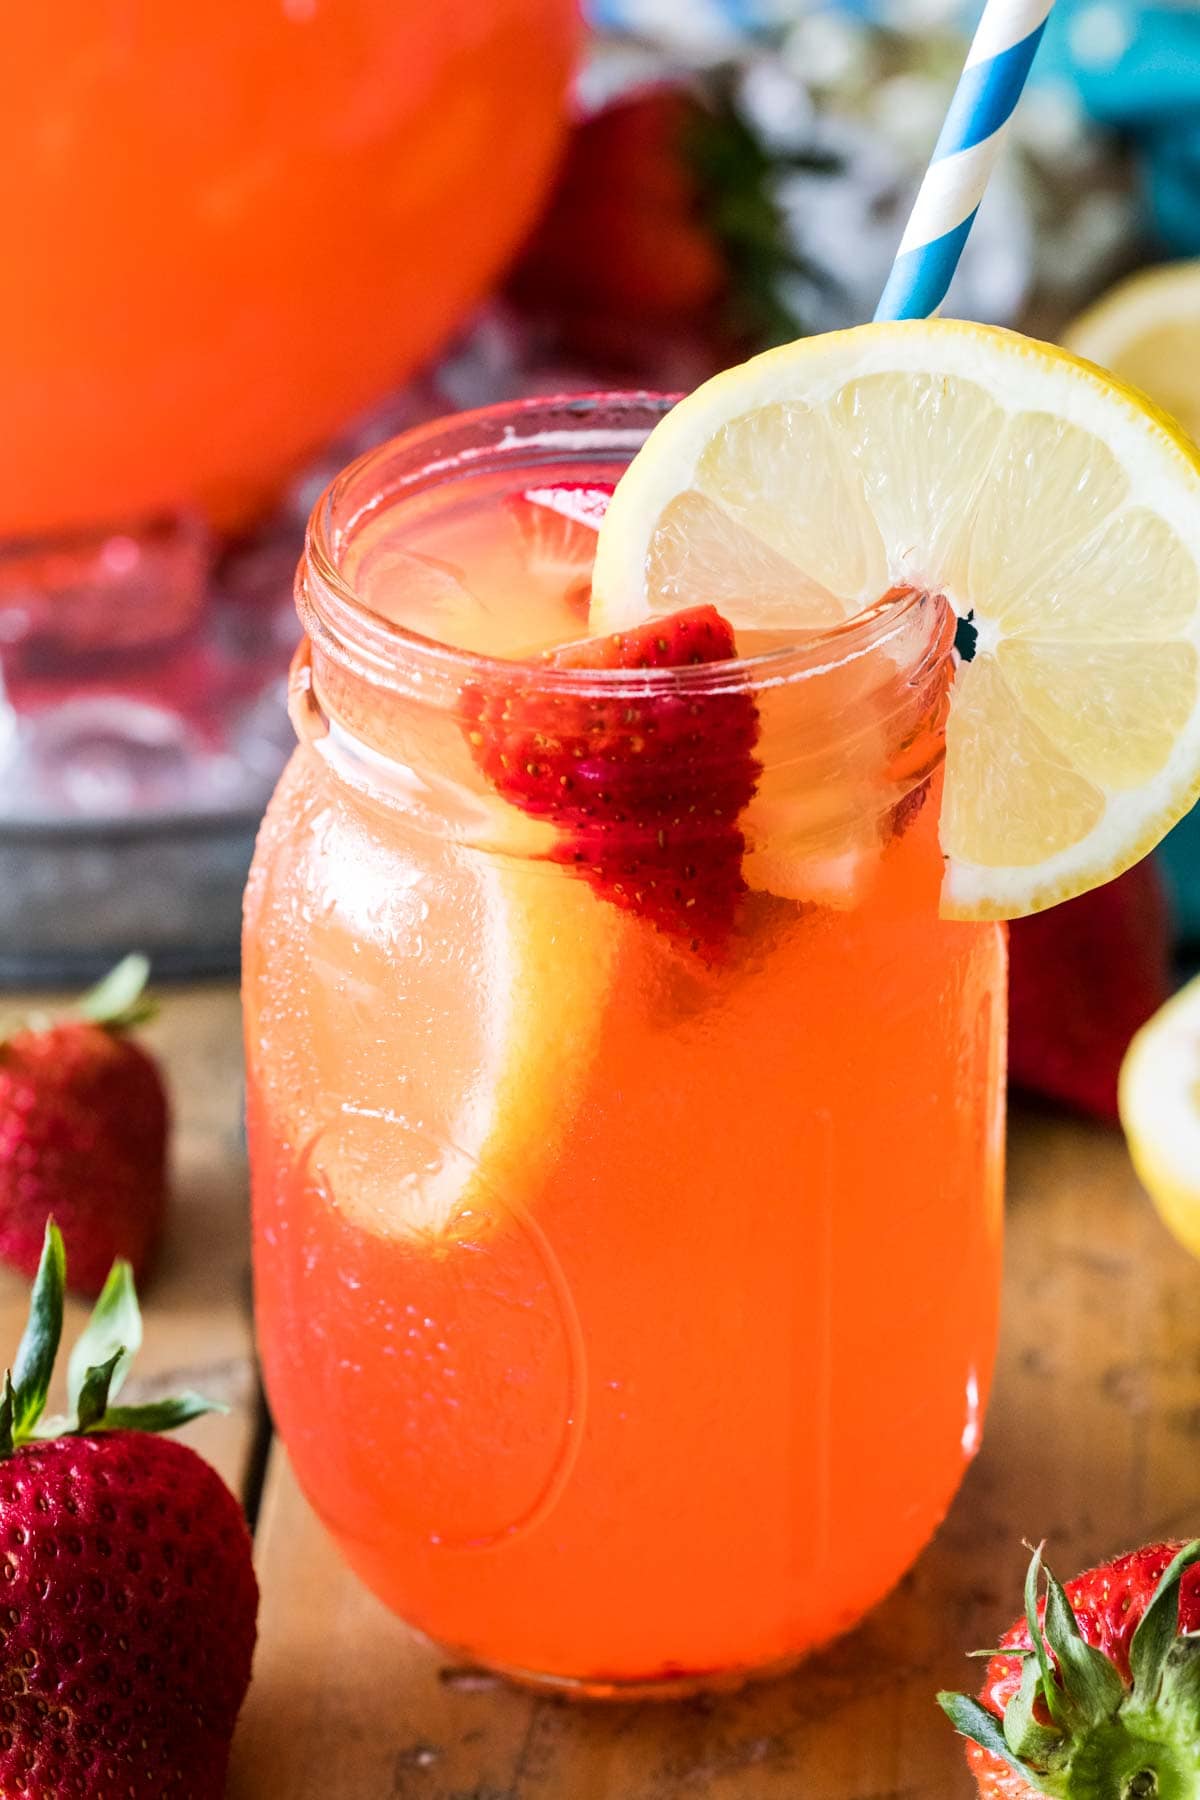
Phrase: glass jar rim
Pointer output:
(392, 656)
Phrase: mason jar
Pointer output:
(627, 1304)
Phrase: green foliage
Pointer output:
(738, 177)
(98, 1365)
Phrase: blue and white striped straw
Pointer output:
(988, 90)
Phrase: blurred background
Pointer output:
(247, 241)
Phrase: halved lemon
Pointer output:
(1147, 331)
(1055, 509)
(1160, 1110)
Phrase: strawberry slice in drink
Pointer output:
(556, 520)
(644, 780)
(558, 526)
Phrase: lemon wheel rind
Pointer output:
(970, 891)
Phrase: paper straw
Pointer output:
(988, 90)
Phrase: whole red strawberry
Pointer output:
(624, 245)
(645, 778)
(83, 1134)
(1095, 1693)
(129, 1598)
(1083, 978)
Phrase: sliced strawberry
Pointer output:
(583, 502)
(558, 527)
(645, 785)
(558, 524)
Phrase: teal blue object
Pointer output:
(1172, 175)
(1135, 70)
(1131, 61)
(1179, 860)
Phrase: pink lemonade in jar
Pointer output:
(627, 1287)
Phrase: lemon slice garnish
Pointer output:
(1053, 507)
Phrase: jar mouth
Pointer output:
(612, 425)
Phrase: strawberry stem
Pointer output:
(1120, 1764)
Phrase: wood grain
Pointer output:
(1092, 1442)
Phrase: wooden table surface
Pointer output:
(1093, 1441)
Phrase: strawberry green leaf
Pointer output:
(98, 1366)
(1049, 1684)
(1026, 1736)
(7, 1408)
(1179, 1695)
(1158, 1628)
(115, 1324)
(1091, 1685)
(971, 1720)
(160, 1415)
(119, 1001)
(93, 1394)
(34, 1364)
